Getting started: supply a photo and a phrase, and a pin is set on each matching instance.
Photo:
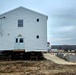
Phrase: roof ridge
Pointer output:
(23, 8)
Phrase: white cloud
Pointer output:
(66, 28)
(60, 39)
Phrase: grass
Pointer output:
(43, 67)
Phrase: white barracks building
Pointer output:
(23, 29)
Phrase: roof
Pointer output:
(26, 9)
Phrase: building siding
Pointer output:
(30, 29)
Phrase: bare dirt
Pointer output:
(35, 67)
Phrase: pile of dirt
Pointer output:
(42, 67)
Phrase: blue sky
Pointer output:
(61, 26)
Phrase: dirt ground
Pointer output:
(35, 67)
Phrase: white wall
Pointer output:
(30, 29)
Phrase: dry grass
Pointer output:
(43, 67)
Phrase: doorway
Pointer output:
(19, 43)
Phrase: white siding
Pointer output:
(30, 29)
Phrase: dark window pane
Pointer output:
(37, 36)
(16, 40)
(21, 40)
(20, 23)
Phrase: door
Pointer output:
(19, 43)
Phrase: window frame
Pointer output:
(16, 40)
(20, 24)
(21, 40)
(37, 20)
(37, 36)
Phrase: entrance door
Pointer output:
(19, 43)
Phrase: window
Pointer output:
(37, 20)
(20, 23)
(16, 40)
(21, 40)
(37, 36)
